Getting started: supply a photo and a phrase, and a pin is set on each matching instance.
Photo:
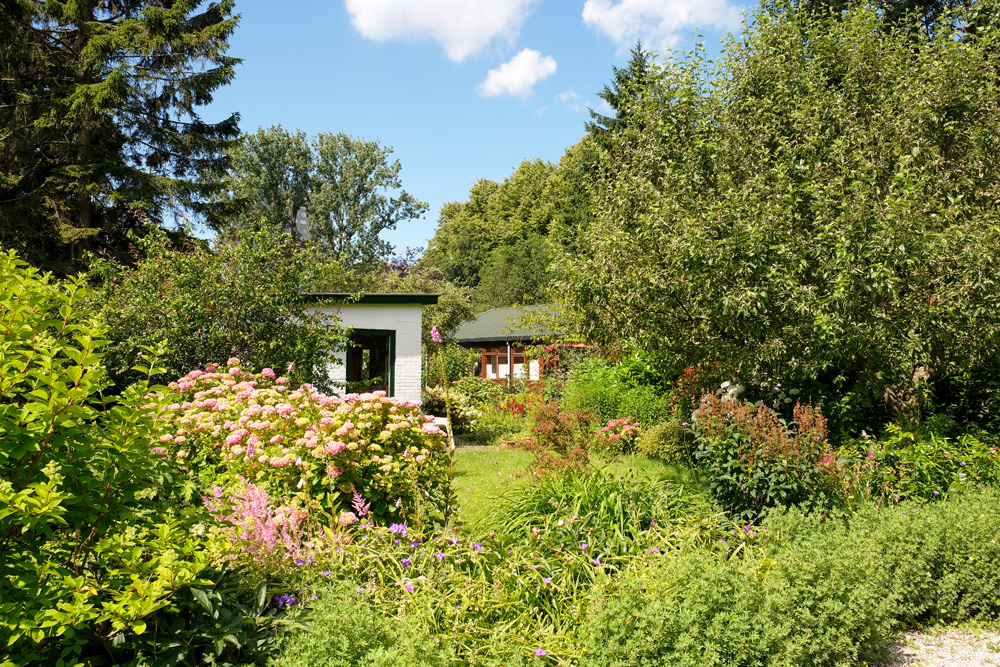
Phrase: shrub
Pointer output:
(910, 465)
(670, 441)
(559, 438)
(753, 461)
(95, 530)
(812, 591)
(617, 437)
(613, 392)
(243, 298)
(298, 442)
(345, 630)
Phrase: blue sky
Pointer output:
(461, 89)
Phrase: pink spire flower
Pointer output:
(435, 335)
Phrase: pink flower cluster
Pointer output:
(259, 428)
(619, 435)
(264, 530)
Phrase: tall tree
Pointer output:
(822, 207)
(100, 114)
(350, 188)
(352, 201)
(268, 176)
(627, 84)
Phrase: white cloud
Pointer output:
(658, 23)
(461, 27)
(517, 75)
(571, 99)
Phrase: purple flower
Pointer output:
(540, 652)
(406, 562)
(435, 335)
(299, 562)
(409, 588)
(654, 550)
(478, 546)
(398, 528)
(547, 580)
(454, 540)
(864, 434)
(415, 544)
(440, 556)
(324, 573)
(937, 493)
(583, 547)
(962, 463)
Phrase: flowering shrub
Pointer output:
(906, 465)
(238, 427)
(753, 460)
(618, 436)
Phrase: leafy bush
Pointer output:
(459, 364)
(910, 465)
(670, 441)
(346, 630)
(612, 392)
(237, 426)
(243, 298)
(753, 461)
(811, 592)
(617, 437)
(558, 438)
(95, 529)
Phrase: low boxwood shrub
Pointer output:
(669, 441)
(231, 426)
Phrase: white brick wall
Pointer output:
(405, 320)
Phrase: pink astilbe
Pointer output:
(263, 531)
(359, 504)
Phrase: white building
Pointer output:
(384, 346)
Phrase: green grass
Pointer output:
(482, 474)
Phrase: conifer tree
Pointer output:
(99, 114)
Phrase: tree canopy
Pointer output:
(99, 114)
(350, 188)
(823, 205)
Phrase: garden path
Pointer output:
(944, 648)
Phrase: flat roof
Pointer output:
(347, 299)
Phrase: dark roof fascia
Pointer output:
(504, 339)
(346, 299)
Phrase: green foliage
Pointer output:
(668, 441)
(95, 534)
(242, 298)
(348, 185)
(612, 391)
(811, 592)
(498, 241)
(222, 623)
(753, 460)
(99, 111)
(346, 630)
(614, 514)
(923, 466)
(459, 364)
(851, 250)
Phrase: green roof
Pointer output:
(498, 325)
